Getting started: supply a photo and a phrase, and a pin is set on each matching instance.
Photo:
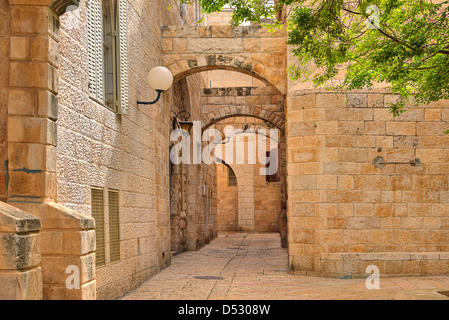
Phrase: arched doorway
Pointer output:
(227, 198)
(260, 198)
(250, 93)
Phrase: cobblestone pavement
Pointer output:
(254, 266)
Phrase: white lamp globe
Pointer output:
(228, 132)
(160, 78)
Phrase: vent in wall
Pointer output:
(97, 197)
(114, 225)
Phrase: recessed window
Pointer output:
(232, 179)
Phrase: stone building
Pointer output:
(87, 186)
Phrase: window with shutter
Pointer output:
(97, 198)
(108, 53)
(109, 59)
(95, 49)
(114, 226)
(123, 93)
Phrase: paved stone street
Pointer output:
(254, 266)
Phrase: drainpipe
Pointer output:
(205, 207)
(169, 197)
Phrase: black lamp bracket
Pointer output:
(185, 117)
(159, 92)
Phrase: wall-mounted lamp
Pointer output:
(182, 122)
(160, 79)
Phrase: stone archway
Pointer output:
(245, 191)
(264, 103)
(252, 203)
(240, 111)
(265, 199)
(251, 50)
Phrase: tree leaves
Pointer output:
(409, 49)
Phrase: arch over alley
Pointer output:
(264, 103)
(252, 50)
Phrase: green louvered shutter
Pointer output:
(123, 101)
(97, 198)
(114, 226)
(95, 48)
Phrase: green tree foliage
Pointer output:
(404, 43)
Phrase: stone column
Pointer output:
(20, 256)
(68, 238)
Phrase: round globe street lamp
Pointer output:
(160, 79)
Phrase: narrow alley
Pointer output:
(254, 266)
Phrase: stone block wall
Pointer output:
(227, 201)
(226, 78)
(268, 198)
(260, 102)
(193, 186)
(128, 153)
(343, 205)
(20, 255)
(254, 205)
(33, 87)
(202, 185)
(251, 50)
(391, 264)
(67, 240)
(219, 18)
(201, 206)
(5, 31)
(31, 135)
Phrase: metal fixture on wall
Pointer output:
(160, 79)
(380, 162)
(180, 121)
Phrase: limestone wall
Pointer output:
(20, 255)
(226, 78)
(252, 50)
(193, 186)
(4, 83)
(227, 201)
(345, 211)
(128, 153)
(254, 205)
(260, 102)
(31, 167)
